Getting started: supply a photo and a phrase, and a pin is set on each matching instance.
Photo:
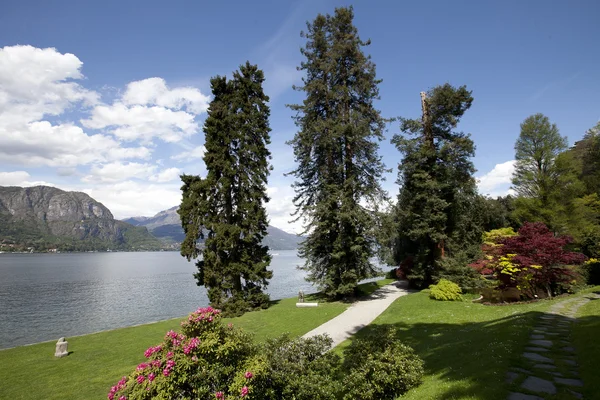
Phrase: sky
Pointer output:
(109, 98)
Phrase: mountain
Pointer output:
(166, 225)
(43, 218)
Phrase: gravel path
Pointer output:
(361, 313)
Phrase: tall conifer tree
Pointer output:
(437, 189)
(226, 208)
(336, 147)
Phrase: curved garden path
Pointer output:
(361, 313)
(549, 361)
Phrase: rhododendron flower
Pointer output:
(122, 398)
(219, 395)
(156, 363)
(151, 376)
(194, 358)
(142, 367)
(166, 371)
(151, 350)
(248, 375)
(170, 363)
(141, 379)
(169, 354)
(111, 396)
(244, 391)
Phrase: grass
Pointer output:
(586, 337)
(365, 289)
(98, 360)
(467, 347)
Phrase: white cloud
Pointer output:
(150, 109)
(195, 153)
(118, 171)
(497, 181)
(20, 178)
(280, 208)
(13, 178)
(130, 198)
(168, 175)
(41, 143)
(142, 122)
(154, 91)
(35, 83)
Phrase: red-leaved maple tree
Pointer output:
(534, 259)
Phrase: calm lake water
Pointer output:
(47, 296)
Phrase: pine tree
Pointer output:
(336, 151)
(437, 189)
(226, 209)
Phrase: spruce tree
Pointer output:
(437, 189)
(338, 169)
(226, 209)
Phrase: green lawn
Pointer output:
(467, 347)
(586, 338)
(99, 360)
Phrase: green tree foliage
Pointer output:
(538, 172)
(438, 192)
(587, 151)
(338, 169)
(226, 208)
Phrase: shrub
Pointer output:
(457, 269)
(392, 274)
(378, 366)
(209, 360)
(300, 369)
(445, 291)
(591, 271)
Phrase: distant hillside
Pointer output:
(43, 218)
(166, 225)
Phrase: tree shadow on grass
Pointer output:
(469, 360)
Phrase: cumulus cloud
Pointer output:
(280, 208)
(497, 181)
(40, 143)
(131, 198)
(150, 109)
(168, 175)
(37, 83)
(144, 123)
(118, 171)
(13, 178)
(154, 91)
(195, 153)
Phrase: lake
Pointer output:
(47, 296)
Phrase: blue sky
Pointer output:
(116, 110)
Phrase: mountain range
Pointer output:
(166, 226)
(43, 218)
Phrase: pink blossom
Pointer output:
(111, 396)
(151, 350)
(156, 363)
(170, 354)
(172, 334)
(142, 366)
(194, 358)
(170, 363)
(219, 395)
(140, 378)
(166, 371)
(151, 376)
(244, 391)
(122, 398)
(248, 375)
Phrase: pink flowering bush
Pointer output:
(211, 360)
(206, 360)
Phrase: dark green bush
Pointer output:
(378, 366)
(591, 271)
(445, 291)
